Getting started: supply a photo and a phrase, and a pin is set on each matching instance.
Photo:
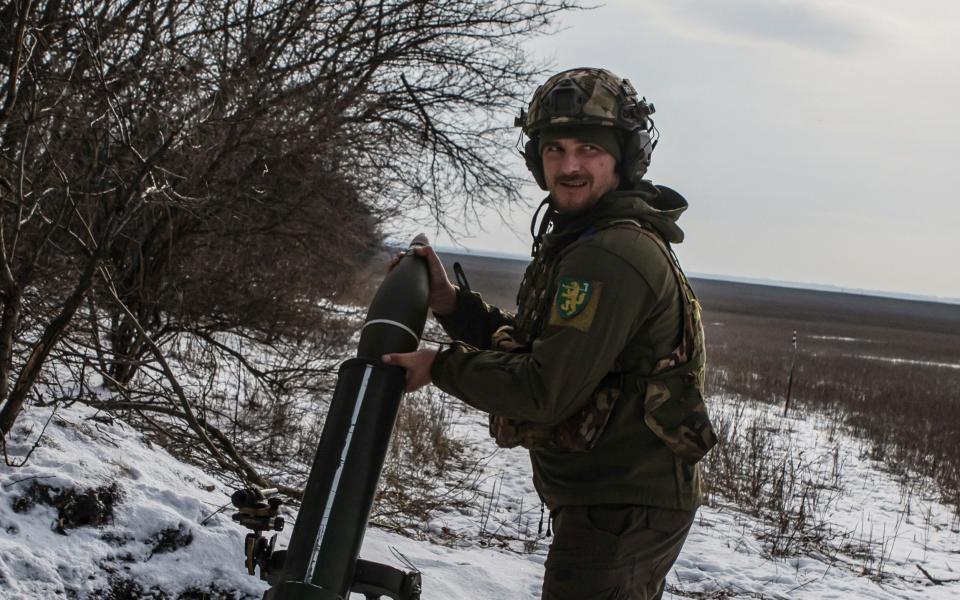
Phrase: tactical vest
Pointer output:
(674, 408)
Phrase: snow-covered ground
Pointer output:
(488, 551)
(82, 449)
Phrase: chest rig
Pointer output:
(672, 392)
(536, 292)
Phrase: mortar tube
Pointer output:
(326, 539)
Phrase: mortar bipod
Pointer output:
(258, 510)
(375, 580)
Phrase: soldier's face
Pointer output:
(578, 173)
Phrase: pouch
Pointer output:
(578, 433)
(675, 411)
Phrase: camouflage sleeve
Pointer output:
(601, 302)
(473, 321)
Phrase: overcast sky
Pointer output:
(817, 141)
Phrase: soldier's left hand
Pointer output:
(502, 339)
(417, 364)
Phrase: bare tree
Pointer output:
(207, 165)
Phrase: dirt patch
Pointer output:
(75, 508)
(121, 588)
(171, 539)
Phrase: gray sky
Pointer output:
(817, 141)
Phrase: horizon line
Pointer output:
(820, 287)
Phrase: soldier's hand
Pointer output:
(395, 259)
(417, 364)
(502, 339)
(443, 296)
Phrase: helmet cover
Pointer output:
(586, 96)
(591, 96)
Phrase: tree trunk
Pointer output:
(126, 344)
(41, 349)
(9, 321)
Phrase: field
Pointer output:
(884, 370)
(852, 492)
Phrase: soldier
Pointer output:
(600, 372)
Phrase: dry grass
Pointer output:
(763, 470)
(885, 369)
(425, 469)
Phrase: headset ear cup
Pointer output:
(531, 156)
(636, 158)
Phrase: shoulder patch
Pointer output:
(576, 303)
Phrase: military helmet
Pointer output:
(589, 96)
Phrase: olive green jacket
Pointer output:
(631, 317)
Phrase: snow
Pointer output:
(869, 510)
(83, 449)
(906, 361)
(489, 550)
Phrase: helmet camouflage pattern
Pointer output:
(586, 96)
(589, 96)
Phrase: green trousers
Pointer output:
(613, 552)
